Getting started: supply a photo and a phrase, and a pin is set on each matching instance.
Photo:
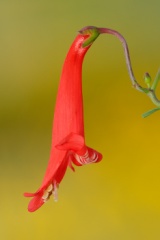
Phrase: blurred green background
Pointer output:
(118, 198)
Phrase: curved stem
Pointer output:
(151, 94)
(156, 80)
(127, 55)
(93, 33)
(149, 91)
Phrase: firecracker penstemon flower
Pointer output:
(68, 140)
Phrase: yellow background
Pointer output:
(118, 198)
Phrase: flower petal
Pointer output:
(81, 153)
(73, 141)
(35, 203)
(90, 156)
(26, 194)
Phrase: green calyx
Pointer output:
(92, 33)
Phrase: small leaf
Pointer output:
(146, 114)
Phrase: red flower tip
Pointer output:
(35, 203)
(42, 196)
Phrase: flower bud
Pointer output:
(147, 79)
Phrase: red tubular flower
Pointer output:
(68, 142)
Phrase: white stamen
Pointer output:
(50, 187)
(86, 159)
(55, 191)
(45, 195)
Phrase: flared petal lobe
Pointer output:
(81, 154)
(35, 203)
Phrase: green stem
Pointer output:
(156, 80)
(93, 33)
(149, 91)
(127, 57)
(151, 94)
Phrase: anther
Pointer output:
(55, 191)
(47, 193)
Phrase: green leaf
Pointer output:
(146, 114)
